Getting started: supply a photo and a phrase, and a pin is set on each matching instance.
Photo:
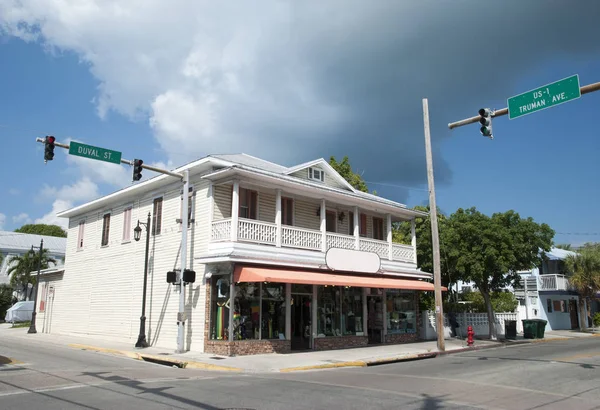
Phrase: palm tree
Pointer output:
(585, 273)
(22, 266)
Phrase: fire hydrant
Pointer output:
(470, 334)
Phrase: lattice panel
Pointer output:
(221, 230)
(300, 238)
(260, 232)
(340, 241)
(379, 247)
(403, 253)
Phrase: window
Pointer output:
(316, 174)
(557, 306)
(248, 203)
(287, 211)
(328, 314)
(378, 228)
(259, 310)
(350, 223)
(80, 235)
(330, 221)
(105, 229)
(363, 225)
(190, 208)
(401, 311)
(352, 311)
(127, 224)
(42, 305)
(157, 216)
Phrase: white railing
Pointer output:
(554, 282)
(403, 253)
(250, 230)
(300, 238)
(221, 230)
(381, 248)
(256, 231)
(335, 240)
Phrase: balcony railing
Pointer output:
(554, 282)
(265, 233)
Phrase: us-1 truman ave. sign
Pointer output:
(547, 96)
(89, 151)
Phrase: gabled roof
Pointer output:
(22, 242)
(254, 162)
(324, 164)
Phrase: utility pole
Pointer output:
(184, 234)
(32, 328)
(435, 240)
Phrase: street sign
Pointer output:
(547, 96)
(89, 151)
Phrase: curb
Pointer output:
(183, 364)
(358, 363)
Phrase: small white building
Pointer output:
(16, 244)
(258, 240)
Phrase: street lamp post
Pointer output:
(32, 328)
(137, 233)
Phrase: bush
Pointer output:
(597, 319)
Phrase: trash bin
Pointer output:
(529, 328)
(541, 327)
(510, 329)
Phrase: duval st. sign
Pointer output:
(89, 151)
(543, 97)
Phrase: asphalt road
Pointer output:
(554, 375)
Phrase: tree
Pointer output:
(22, 266)
(489, 251)
(6, 292)
(345, 170)
(584, 268)
(43, 229)
(565, 246)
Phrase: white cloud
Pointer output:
(50, 218)
(22, 218)
(14, 191)
(65, 198)
(2, 221)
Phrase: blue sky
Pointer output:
(169, 96)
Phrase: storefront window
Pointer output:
(352, 311)
(246, 314)
(401, 312)
(328, 314)
(273, 311)
(220, 309)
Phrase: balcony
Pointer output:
(554, 282)
(265, 233)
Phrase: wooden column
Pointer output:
(323, 226)
(278, 217)
(235, 210)
(389, 237)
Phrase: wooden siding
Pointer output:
(222, 202)
(329, 180)
(266, 207)
(101, 290)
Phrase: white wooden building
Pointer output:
(258, 238)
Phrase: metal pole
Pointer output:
(437, 276)
(141, 342)
(184, 234)
(590, 88)
(125, 161)
(526, 299)
(32, 328)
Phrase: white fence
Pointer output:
(479, 321)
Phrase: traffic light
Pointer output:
(189, 276)
(49, 148)
(171, 277)
(486, 122)
(137, 169)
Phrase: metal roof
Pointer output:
(250, 161)
(22, 242)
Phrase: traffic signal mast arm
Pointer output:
(590, 88)
(124, 161)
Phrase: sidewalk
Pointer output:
(356, 357)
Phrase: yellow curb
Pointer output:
(131, 355)
(207, 366)
(9, 360)
(552, 339)
(400, 358)
(358, 363)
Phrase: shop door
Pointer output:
(301, 322)
(375, 319)
(574, 315)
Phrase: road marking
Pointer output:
(577, 356)
(87, 385)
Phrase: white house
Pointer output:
(16, 244)
(260, 239)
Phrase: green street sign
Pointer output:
(89, 151)
(547, 96)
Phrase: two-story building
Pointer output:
(286, 259)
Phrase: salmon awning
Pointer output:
(261, 274)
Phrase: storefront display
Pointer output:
(339, 311)
(273, 311)
(401, 312)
